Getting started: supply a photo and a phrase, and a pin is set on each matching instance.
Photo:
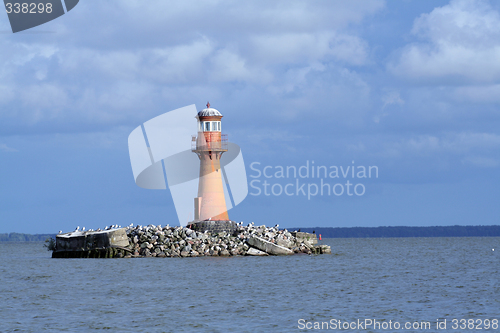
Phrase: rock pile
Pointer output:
(158, 241)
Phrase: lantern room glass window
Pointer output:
(210, 126)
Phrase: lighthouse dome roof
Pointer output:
(209, 112)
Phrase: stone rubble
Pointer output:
(158, 241)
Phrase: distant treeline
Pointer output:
(385, 232)
(16, 237)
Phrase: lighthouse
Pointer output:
(210, 210)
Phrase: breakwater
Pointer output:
(158, 241)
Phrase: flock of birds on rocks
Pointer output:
(116, 226)
(113, 226)
(168, 241)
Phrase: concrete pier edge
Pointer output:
(157, 241)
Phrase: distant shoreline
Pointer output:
(340, 232)
(18, 237)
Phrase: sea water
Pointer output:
(385, 280)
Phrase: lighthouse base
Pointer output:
(214, 226)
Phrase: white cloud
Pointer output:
(309, 47)
(295, 78)
(392, 98)
(179, 64)
(481, 161)
(459, 41)
(480, 93)
(111, 63)
(6, 93)
(468, 145)
(358, 147)
(7, 149)
(229, 66)
(27, 52)
(43, 96)
(177, 20)
(389, 98)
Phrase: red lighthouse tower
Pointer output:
(210, 205)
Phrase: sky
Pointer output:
(409, 88)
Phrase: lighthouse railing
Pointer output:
(209, 145)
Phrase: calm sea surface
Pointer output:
(391, 279)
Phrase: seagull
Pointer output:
(83, 229)
(77, 228)
(277, 226)
(60, 231)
